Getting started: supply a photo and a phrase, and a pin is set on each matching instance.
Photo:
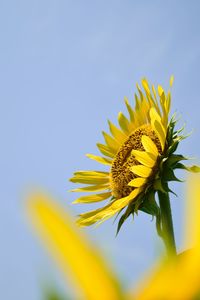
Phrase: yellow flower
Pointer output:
(140, 156)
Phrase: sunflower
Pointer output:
(140, 156)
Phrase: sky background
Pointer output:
(65, 67)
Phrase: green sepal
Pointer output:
(194, 169)
(119, 212)
(168, 175)
(131, 209)
(158, 185)
(149, 205)
(167, 189)
(162, 186)
(162, 163)
(171, 127)
(174, 159)
(128, 212)
(172, 148)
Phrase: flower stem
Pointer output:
(167, 230)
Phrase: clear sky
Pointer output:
(65, 67)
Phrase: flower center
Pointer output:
(120, 169)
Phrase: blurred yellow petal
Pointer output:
(175, 279)
(192, 224)
(72, 252)
(171, 80)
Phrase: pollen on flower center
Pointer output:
(120, 169)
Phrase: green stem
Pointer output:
(167, 230)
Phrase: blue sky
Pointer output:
(65, 67)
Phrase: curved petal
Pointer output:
(93, 198)
(102, 214)
(141, 171)
(101, 160)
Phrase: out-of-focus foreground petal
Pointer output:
(72, 252)
(178, 278)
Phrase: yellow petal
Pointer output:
(91, 173)
(93, 198)
(102, 214)
(141, 171)
(71, 251)
(117, 133)
(146, 86)
(154, 114)
(141, 114)
(101, 160)
(144, 158)
(130, 110)
(154, 92)
(137, 102)
(168, 103)
(160, 90)
(106, 150)
(137, 182)
(140, 92)
(92, 188)
(149, 146)
(160, 133)
(89, 180)
(111, 142)
(123, 122)
(157, 126)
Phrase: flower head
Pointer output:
(140, 156)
